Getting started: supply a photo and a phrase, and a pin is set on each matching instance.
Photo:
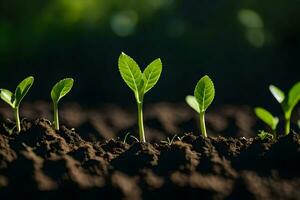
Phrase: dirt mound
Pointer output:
(42, 163)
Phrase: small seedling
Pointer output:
(169, 141)
(287, 103)
(264, 135)
(298, 123)
(267, 118)
(60, 89)
(140, 83)
(203, 97)
(130, 136)
(14, 99)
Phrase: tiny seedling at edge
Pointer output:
(267, 118)
(59, 90)
(203, 96)
(139, 82)
(14, 99)
(287, 103)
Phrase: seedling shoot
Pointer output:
(287, 103)
(204, 94)
(267, 118)
(139, 82)
(59, 90)
(14, 99)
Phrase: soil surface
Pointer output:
(41, 163)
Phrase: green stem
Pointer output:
(17, 118)
(287, 126)
(140, 122)
(202, 124)
(56, 119)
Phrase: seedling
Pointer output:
(264, 135)
(267, 118)
(14, 99)
(203, 97)
(140, 83)
(169, 141)
(130, 136)
(60, 89)
(287, 103)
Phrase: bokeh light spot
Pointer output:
(124, 23)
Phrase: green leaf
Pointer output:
(204, 93)
(267, 117)
(294, 96)
(61, 89)
(192, 102)
(151, 74)
(22, 90)
(130, 73)
(277, 93)
(7, 96)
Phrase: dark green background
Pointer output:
(243, 45)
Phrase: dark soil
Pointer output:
(41, 163)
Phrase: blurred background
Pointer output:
(243, 45)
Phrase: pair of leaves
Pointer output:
(140, 83)
(61, 89)
(288, 103)
(14, 99)
(267, 117)
(204, 95)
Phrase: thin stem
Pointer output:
(56, 119)
(202, 124)
(287, 126)
(140, 122)
(17, 118)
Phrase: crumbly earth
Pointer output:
(41, 163)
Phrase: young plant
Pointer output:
(203, 96)
(287, 103)
(264, 135)
(59, 90)
(267, 118)
(169, 141)
(140, 83)
(14, 99)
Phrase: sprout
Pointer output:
(60, 89)
(264, 135)
(267, 118)
(140, 83)
(287, 103)
(203, 96)
(14, 99)
(169, 141)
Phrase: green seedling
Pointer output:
(203, 97)
(140, 83)
(287, 103)
(14, 99)
(59, 90)
(267, 118)
(264, 135)
(298, 123)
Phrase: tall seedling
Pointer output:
(14, 99)
(203, 97)
(59, 90)
(139, 82)
(287, 103)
